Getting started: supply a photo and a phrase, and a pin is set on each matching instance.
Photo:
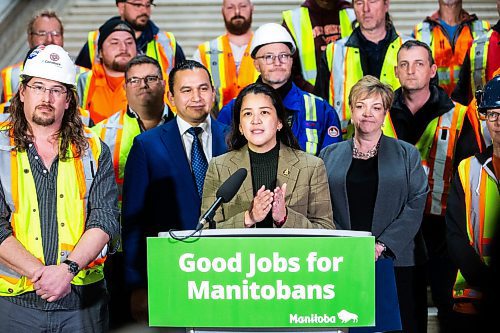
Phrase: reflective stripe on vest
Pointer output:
(481, 193)
(10, 78)
(118, 132)
(344, 64)
(162, 48)
(299, 24)
(21, 197)
(92, 39)
(217, 57)
(311, 122)
(83, 88)
(437, 148)
(478, 61)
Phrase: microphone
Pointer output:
(224, 194)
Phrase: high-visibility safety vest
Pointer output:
(299, 24)
(344, 65)
(118, 132)
(74, 180)
(449, 58)
(482, 207)
(437, 148)
(161, 48)
(94, 82)
(11, 78)
(217, 56)
(479, 60)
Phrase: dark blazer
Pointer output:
(401, 196)
(159, 192)
(307, 197)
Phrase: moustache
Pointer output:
(146, 16)
(45, 106)
(237, 17)
(124, 54)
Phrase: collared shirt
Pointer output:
(103, 214)
(187, 139)
(165, 117)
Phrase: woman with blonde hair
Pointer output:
(377, 184)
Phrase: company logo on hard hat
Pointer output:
(36, 51)
(54, 56)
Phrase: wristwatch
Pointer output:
(72, 266)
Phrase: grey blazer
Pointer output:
(401, 196)
(307, 198)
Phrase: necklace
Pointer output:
(364, 156)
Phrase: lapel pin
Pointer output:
(286, 172)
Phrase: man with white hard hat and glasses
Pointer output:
(58, 206)
(313, 121)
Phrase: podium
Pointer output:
(262, 280)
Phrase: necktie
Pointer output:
(199, 162)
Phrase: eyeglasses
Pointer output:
(47, 33)
(148, 80)
(40, 90)
(492, 116)
(269, 58)
(140, 5)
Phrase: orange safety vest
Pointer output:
(437, 148)
(448, 58)
(97, 97)
(217, 56)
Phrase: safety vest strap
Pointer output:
(92, 39)
(11, 79)
(215, 59)
(83, 88)
(311, 130)
(423, 32)
(346, 18)
(478, 61)
(479, 27)
(163, 48)
(299, 24)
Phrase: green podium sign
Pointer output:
(261, 282)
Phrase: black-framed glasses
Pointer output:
(135, 81)
(40, 90)
(137, 5)
(492, 115)
(47, 33)
(283, 58)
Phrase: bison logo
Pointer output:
(345, 316)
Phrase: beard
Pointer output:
(41, 120)
(137, 25)
(118, 66)
(238, 28)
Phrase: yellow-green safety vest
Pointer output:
(437, 149)
(482, 206)
(344, 65)
(74, 180)
(299, 24)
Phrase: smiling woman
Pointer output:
(287, 187)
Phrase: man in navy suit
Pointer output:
(160, 191)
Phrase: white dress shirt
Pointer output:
(205, 137)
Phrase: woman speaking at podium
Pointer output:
(285, 186)
(381, 187)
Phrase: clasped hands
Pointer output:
(265, 201)
(52, 282)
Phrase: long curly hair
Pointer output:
(71, 131)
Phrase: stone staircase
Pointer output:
(196, 21)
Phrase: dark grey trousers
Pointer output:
(19, 319)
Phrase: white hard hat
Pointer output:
(271, 33)
(50, 62)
